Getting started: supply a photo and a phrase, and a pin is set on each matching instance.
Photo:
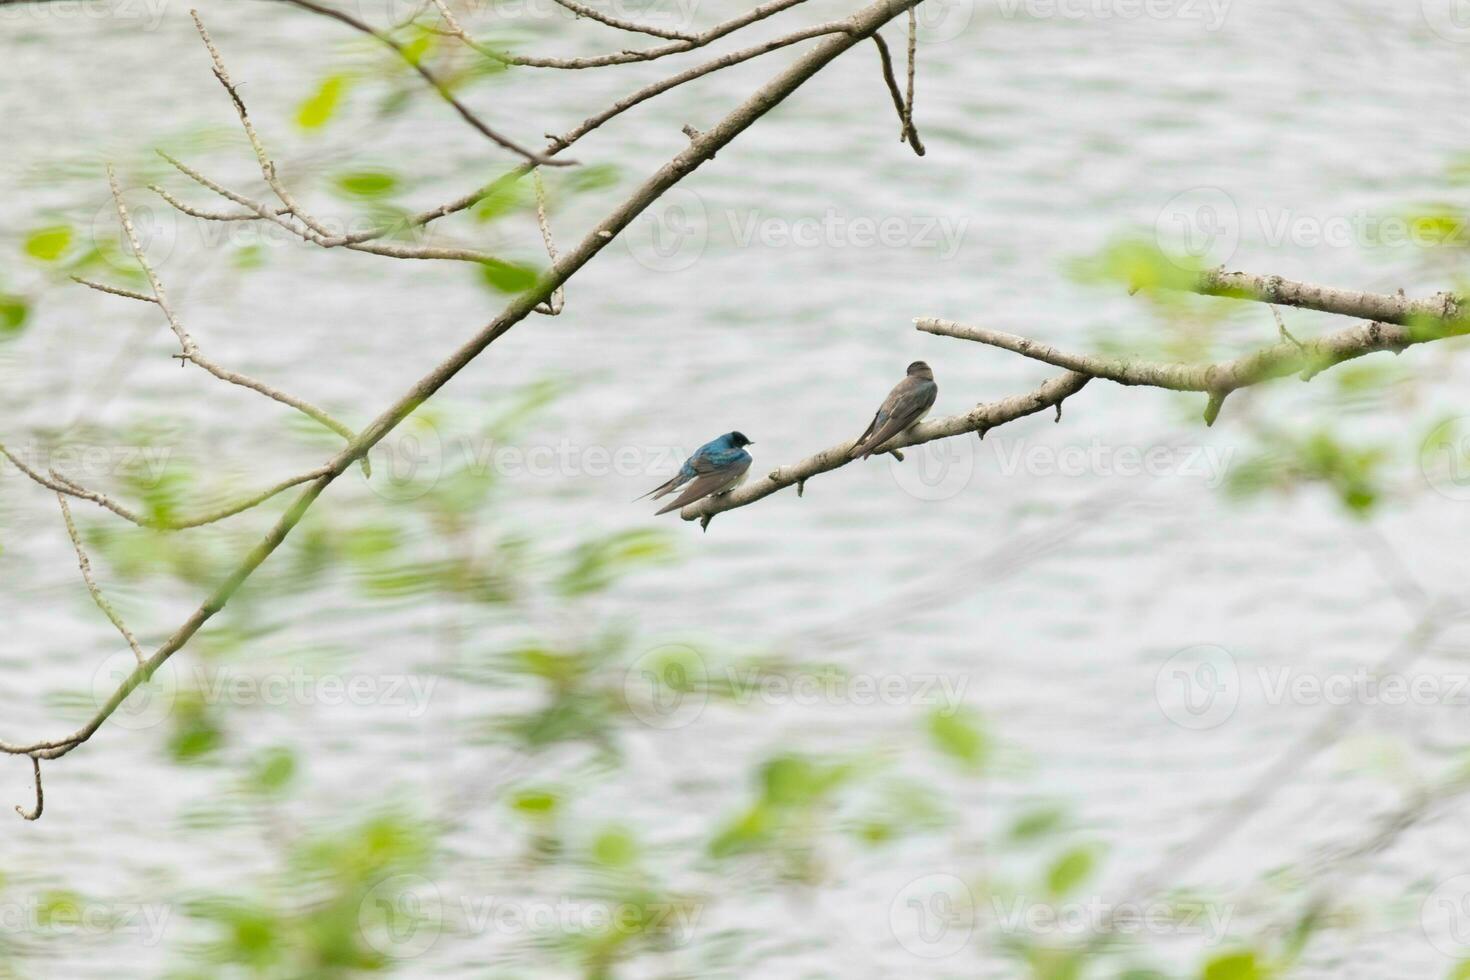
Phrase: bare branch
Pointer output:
(913, 59)
(40, 794)
(359, 243)
(114, 290)
(1218, 379)
(86, 566)
(193, 212)
(905, 109)
(186, 343)
(581, 10)
(428, 76)
(190, 351)
(554, 305)
(1384, 308)
(696, 153)
(623, 57)
(559, 143)
(57, 483)
(981, 419)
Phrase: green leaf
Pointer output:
(746, 833)
(367, 183)
(539, 803)
(594, 177)
(249, 256)
(14, 311)
(317, 109)
(959, 736)
(508, 277)
(197, 732)
(415, 50)
(1233, 966)
(273, 770)
(499, 201)
(597, 564)
(1137, 264)
(790, 781)
(615, 848)
(1037, 823)
(48, 244)
(1070, 870)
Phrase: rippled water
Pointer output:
(1050, 598)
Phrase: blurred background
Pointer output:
(1114, 695)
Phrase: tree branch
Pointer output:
(86, 567)
(444, 93)
(1286, 357)
(657, 88)
(623, 57)
(907, 132)
(40, 794)
(982, 418)
(1399, 309)
(695, 154)
(58, 483)
(581, 10)
(190, 350)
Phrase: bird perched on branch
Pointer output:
(908, 402)
(717, 467)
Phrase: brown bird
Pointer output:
(908, 402)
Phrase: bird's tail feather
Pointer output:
(661, 490)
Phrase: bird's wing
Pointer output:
(857, 447)
(666, 488)
(713, 480)
(693, 466)
(904, 406)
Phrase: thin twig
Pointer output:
(582, 10)
(40, 794)
(622, 57)
(57, 483)
(86, 566)
(444, 92)
(362, 243)
(102, 287)
(190, 351)
(559, 143)
(908, 100)
(907, 132)
(554, 305)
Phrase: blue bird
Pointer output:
(718, 466)
(908, 402)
